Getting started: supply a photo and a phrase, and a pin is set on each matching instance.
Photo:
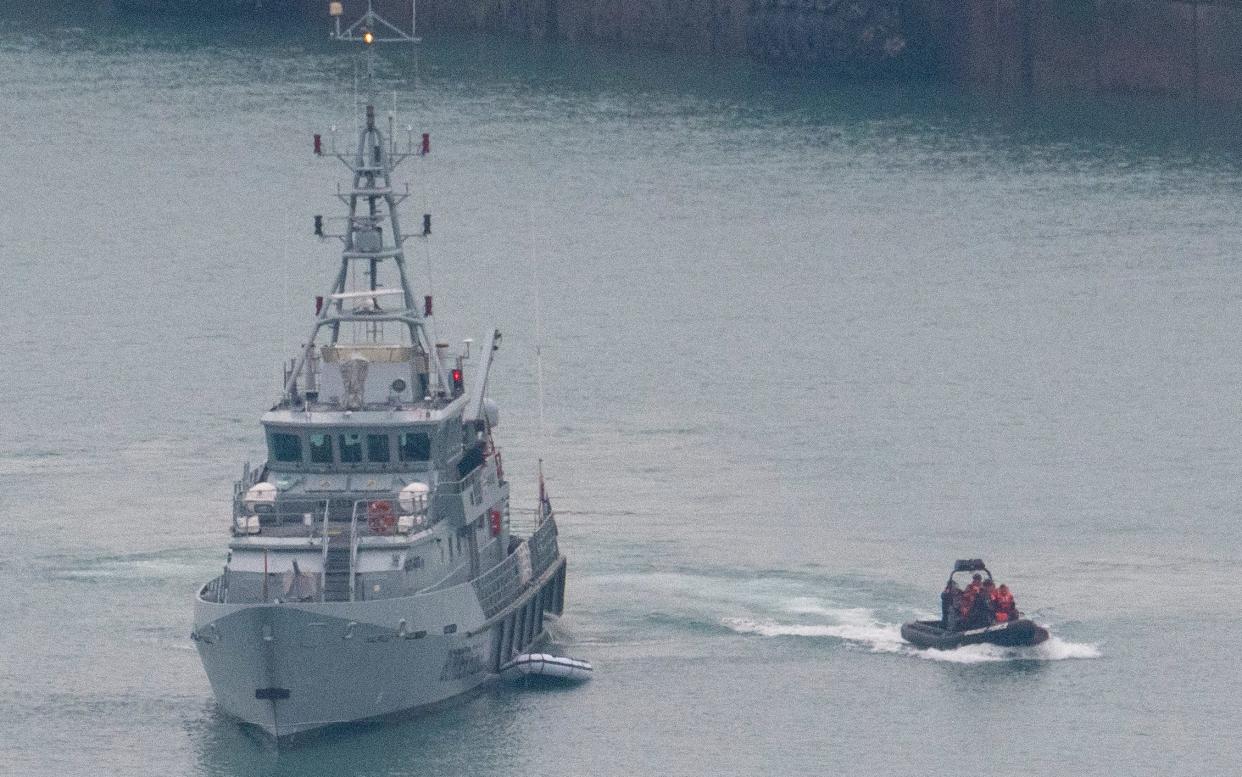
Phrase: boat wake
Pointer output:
(793, 604)
(858, 627)
(170, 565)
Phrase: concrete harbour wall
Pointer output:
(1182, 48)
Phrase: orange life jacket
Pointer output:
(968, 597)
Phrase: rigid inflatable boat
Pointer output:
(933, 634)
(979, 627)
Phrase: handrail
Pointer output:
(543, 546)
(353, 549)
(456, 486)
(500, 614)
(284, 517)
(500, 585)
(287, 519)
(323, 576)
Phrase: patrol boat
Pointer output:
(372, 569)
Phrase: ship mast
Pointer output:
(372, 229)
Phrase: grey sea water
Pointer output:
(805, 344)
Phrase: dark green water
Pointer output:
(806, 343)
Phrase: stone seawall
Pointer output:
(706, 26)
(1183, 48)
(855, 35)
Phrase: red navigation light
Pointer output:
(457, 381)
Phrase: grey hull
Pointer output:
(372, 567)
(292, 668)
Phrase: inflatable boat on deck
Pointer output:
(544, 665)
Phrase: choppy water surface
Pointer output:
(806, 344)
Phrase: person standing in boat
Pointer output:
(978, 613)
(988, 592)
(970, 594)
(988, 595)
(950, 602)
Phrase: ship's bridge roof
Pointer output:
(385, 416)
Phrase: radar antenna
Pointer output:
(367, 24)
(369, 29)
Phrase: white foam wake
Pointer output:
(857, 627)
(1055, 649)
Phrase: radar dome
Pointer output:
(261, 497)
(413, 498)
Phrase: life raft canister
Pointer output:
(380, 517)
(495, 518)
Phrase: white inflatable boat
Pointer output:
(546, 665)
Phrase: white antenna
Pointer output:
(354, 108)
(536, 281)
(371, 27)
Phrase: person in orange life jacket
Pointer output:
(968, 596)
(976, 604)
(1003, 604)
(980, 614)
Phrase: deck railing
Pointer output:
(503, 583)
(312, 518)
(543, 547)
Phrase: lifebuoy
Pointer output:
(380, 517)
(495, 518)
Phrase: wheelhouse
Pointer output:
(390, 447)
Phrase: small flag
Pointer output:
(545, 504)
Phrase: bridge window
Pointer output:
(377, 448)
(351, 448)
(286, 447)
(414, 446)
(321, 448)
